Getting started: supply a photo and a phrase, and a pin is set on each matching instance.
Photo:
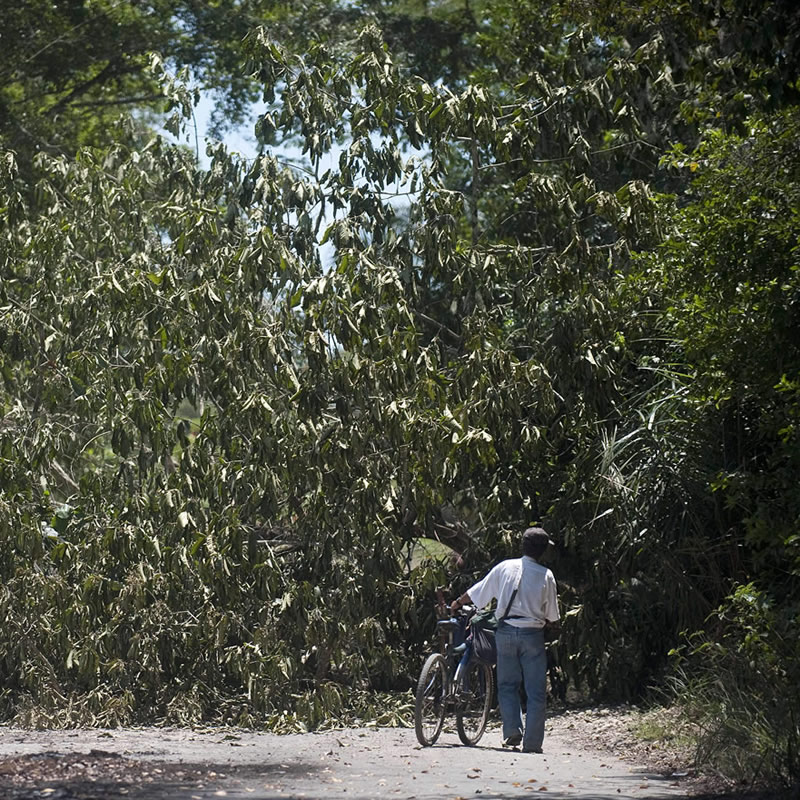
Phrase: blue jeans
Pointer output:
(521, 659)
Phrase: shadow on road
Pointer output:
(99, 775)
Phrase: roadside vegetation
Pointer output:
(560, 284)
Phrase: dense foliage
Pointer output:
(540, 264)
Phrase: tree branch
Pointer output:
(82, 88)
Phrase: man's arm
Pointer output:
(552, 623)
(480, 593)
(458, 602)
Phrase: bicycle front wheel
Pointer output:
(473, 701)
(430, 701)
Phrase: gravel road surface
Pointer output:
(171, 763)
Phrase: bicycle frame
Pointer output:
(446, 684)
(454, 671)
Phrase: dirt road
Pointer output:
(167, 763)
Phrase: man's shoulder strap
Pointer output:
(513, 594)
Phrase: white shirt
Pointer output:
(536, 601)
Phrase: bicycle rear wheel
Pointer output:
(430, 701)
(473, 701)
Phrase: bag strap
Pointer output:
(513, 595)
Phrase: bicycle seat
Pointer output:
(447, 624)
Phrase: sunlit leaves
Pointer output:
(239, 422)
(233, 397)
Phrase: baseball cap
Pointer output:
(538, 536)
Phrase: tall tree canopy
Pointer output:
(218, 450)
(69, 68)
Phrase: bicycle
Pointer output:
(452, 679)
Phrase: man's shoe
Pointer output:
(513, 741)
(531, 749)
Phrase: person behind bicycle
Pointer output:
(521, 655)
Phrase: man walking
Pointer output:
(526, 602)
